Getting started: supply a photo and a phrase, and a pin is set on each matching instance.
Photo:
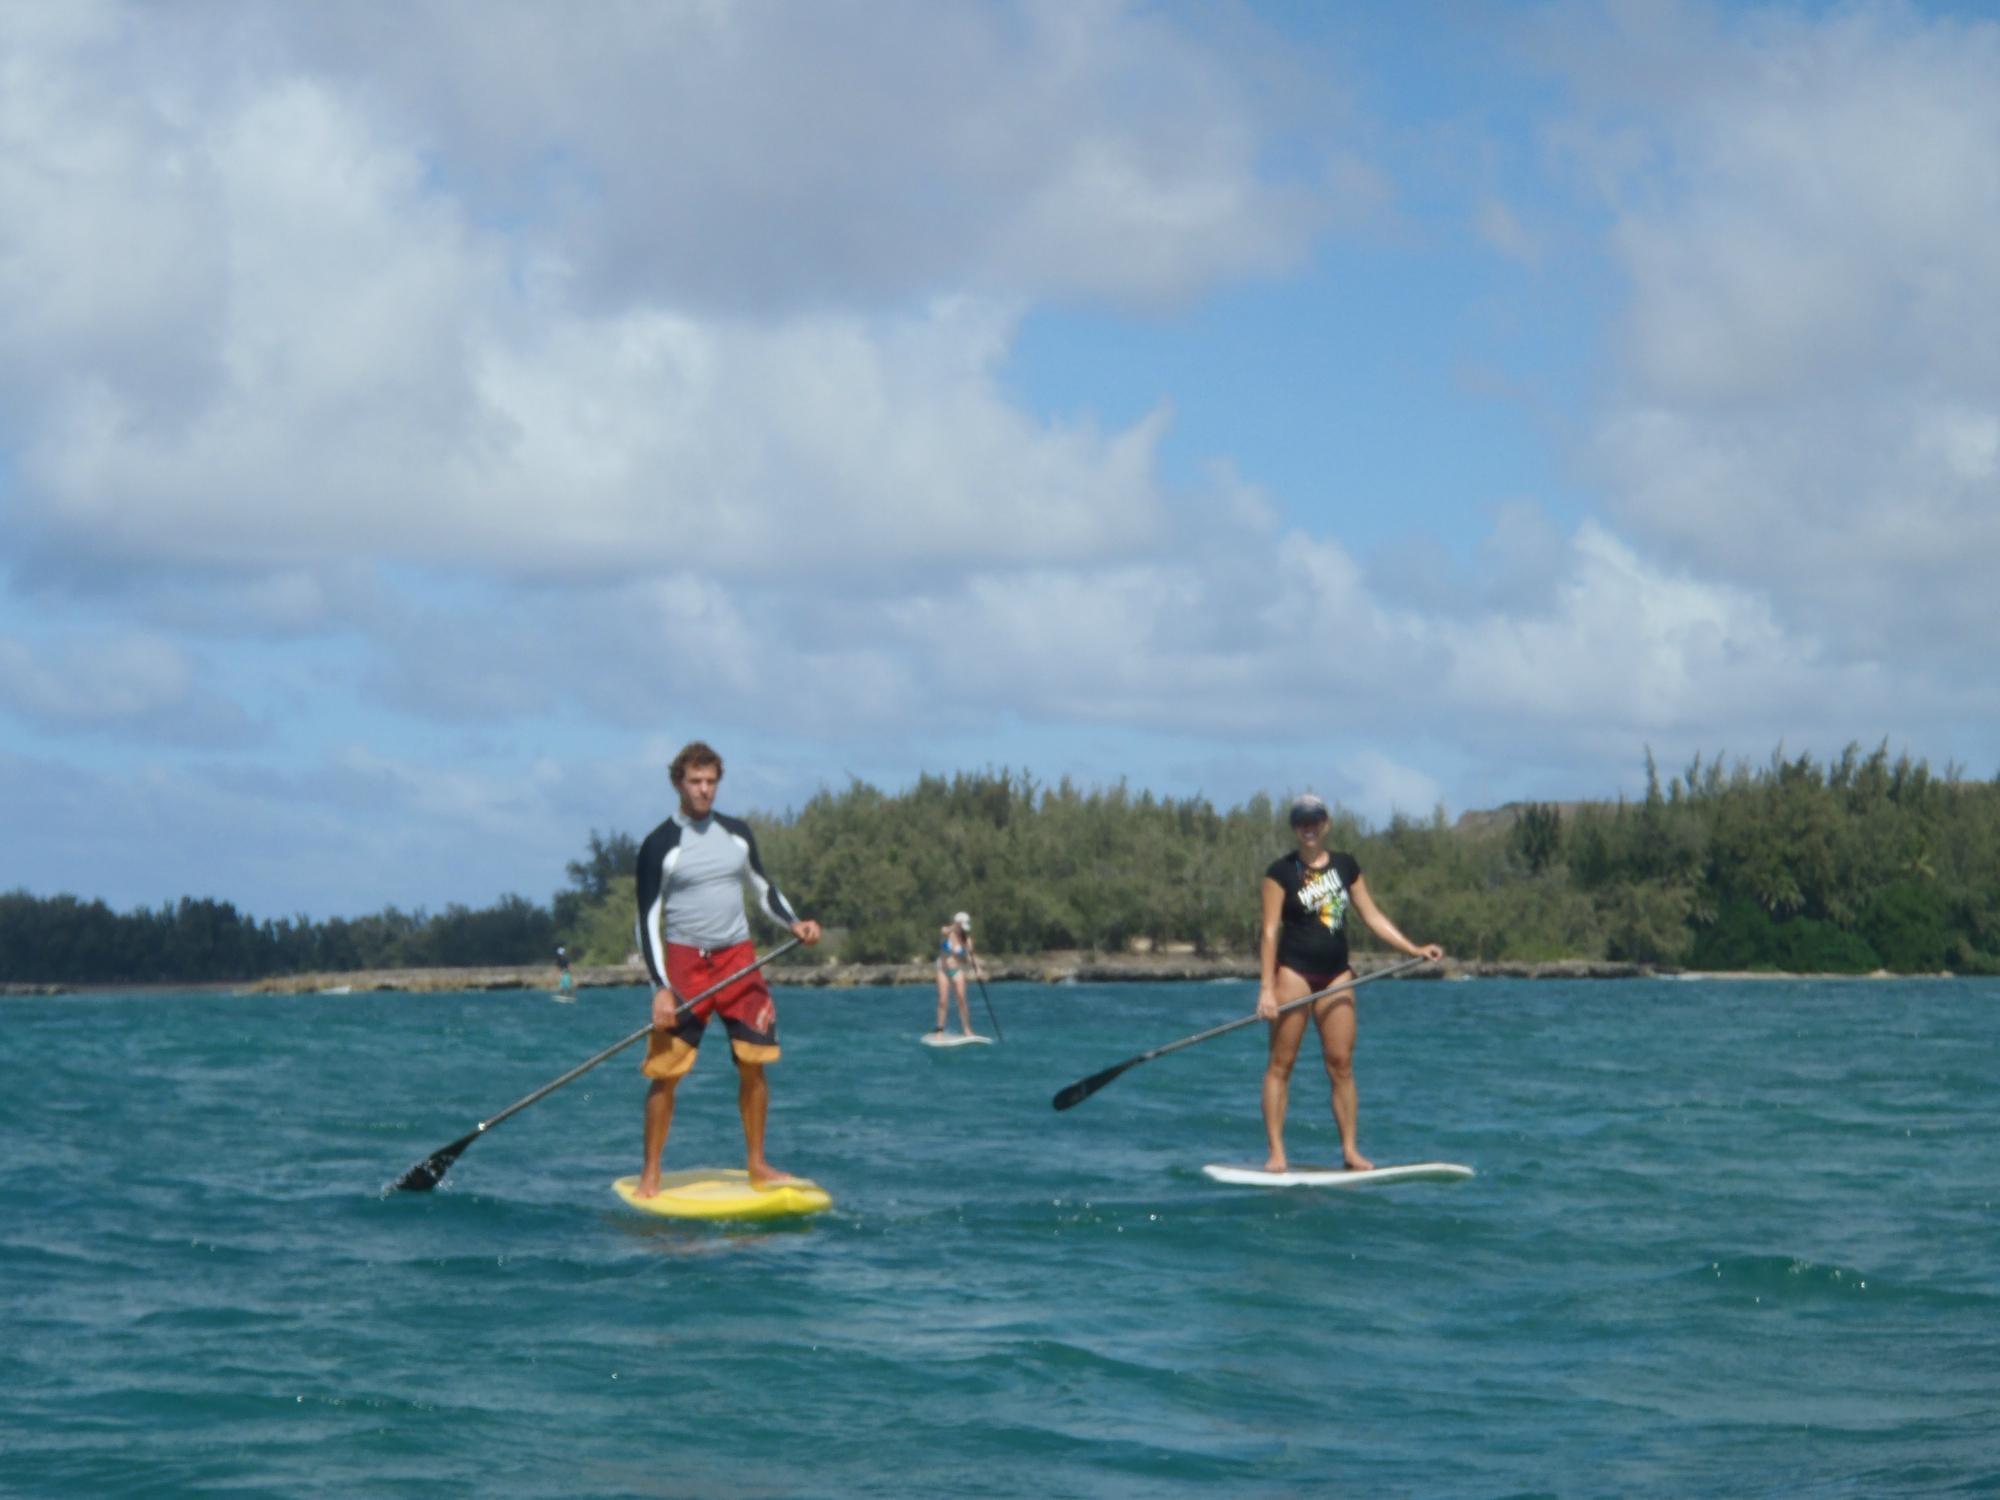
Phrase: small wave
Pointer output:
(1794, 1280)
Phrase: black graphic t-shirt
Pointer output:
(1312, 924)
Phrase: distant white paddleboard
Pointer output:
(1422, 1171)
(954, 1039)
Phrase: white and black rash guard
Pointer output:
(693, 873)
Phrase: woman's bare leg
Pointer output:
(1335, 1016)
(1287, 1032)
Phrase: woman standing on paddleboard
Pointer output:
(1306, 897)
(954, 955)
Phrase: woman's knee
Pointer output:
(1279, 1064)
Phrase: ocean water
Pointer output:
(1726, 1239)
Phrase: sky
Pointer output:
(419, 420)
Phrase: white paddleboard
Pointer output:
(954, 1039)
(1244, 1175)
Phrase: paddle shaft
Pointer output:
(991, 1014)
(425, 1175)
(1083, 1088)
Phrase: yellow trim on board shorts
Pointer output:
(668, 1054)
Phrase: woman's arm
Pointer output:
(1267, 950)
(1383, 928)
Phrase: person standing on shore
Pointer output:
(955, 955)
(694, 871)
(1306, 895)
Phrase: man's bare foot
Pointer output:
(763, 1174)
(649, 1184)
(1276, 1162)
(1356, 1162)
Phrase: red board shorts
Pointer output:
(747, 1012)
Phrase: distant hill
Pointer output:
(1501, 819)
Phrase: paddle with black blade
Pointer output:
(429, 1172)
(1083, 1088)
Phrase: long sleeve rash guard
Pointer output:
(693, 876)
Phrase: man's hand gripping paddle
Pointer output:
(429, 1172)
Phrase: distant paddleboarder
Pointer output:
(1306, 896)
(955, 956)
(565, 984)
(694, 871)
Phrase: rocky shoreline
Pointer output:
(1043, 968)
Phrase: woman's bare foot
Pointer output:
(1276, 1162)
(1356, 1162)
(649, 1184)
(763, 1174)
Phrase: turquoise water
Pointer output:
(1727, 1239)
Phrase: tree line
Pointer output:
(1857, 863)
(1861, 862)
(65, 940)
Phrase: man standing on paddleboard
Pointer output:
(694, 871)
(1306, 896)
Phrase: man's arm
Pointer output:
(769, 900)
(662, 846)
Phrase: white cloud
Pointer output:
(637, 371)
(1230, 637)
(346, 364)
(1378, 786)
(1623, 643)
(130, 684)
(1811, 368)
(1501, 228)
(377, 830)
(96, 681)
(763, 154)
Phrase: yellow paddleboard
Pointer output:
(724, 1193)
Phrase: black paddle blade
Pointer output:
(429, 1172)
(1083, 1088)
